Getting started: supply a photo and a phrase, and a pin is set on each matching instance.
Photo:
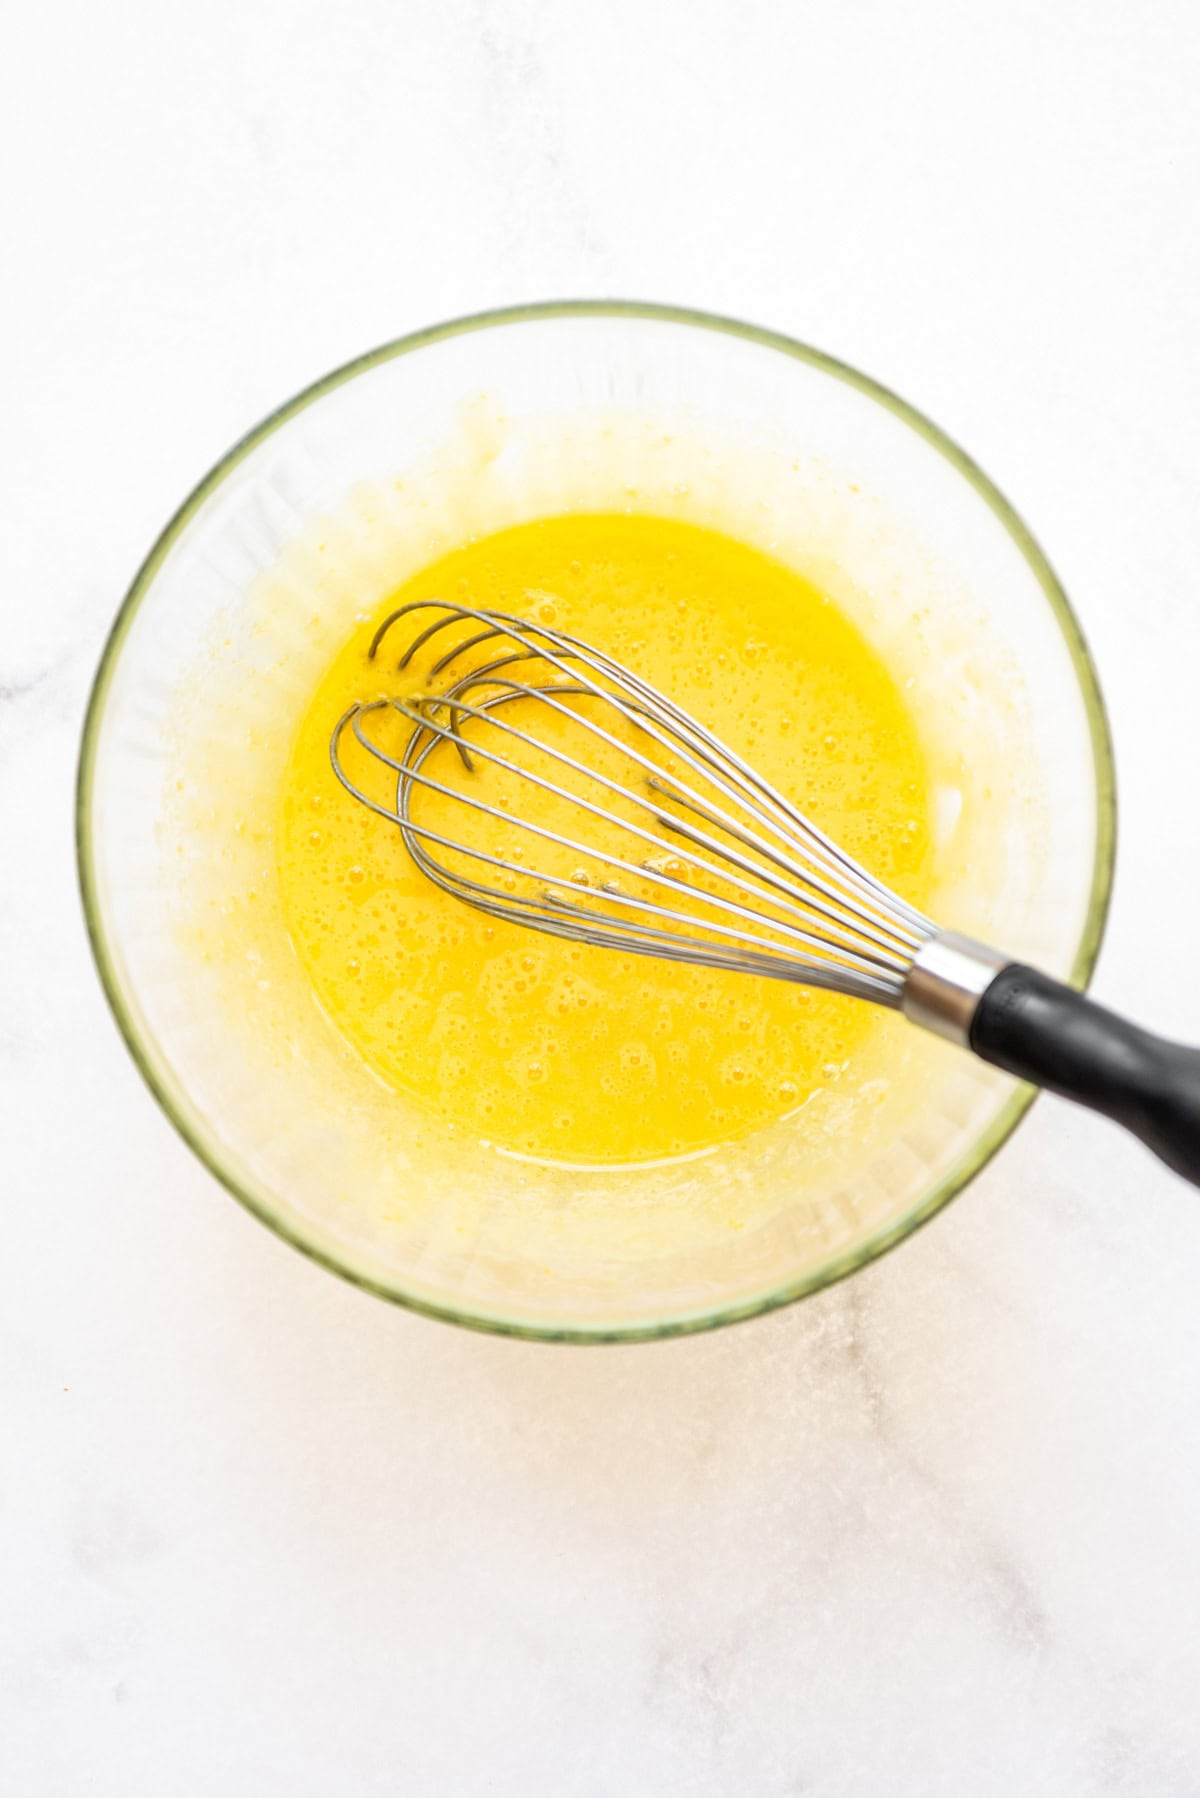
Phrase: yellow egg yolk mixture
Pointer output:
(560, 1051)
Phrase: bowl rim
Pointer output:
(143, 1051)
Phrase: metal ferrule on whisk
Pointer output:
(948, 977)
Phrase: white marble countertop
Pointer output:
(934, 1532)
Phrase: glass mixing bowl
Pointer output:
(464, 428)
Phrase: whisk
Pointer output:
(653, 837)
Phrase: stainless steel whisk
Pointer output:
(685, 853)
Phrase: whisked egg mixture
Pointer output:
(558, 1051)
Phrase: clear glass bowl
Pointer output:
(604, 404)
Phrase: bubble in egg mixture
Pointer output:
(556, 1049)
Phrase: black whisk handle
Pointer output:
(1047, 1033)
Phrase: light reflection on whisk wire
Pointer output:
(830, 923)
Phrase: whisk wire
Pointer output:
(831, 923)
(678, 792)
(719, 760)
(413, 773)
